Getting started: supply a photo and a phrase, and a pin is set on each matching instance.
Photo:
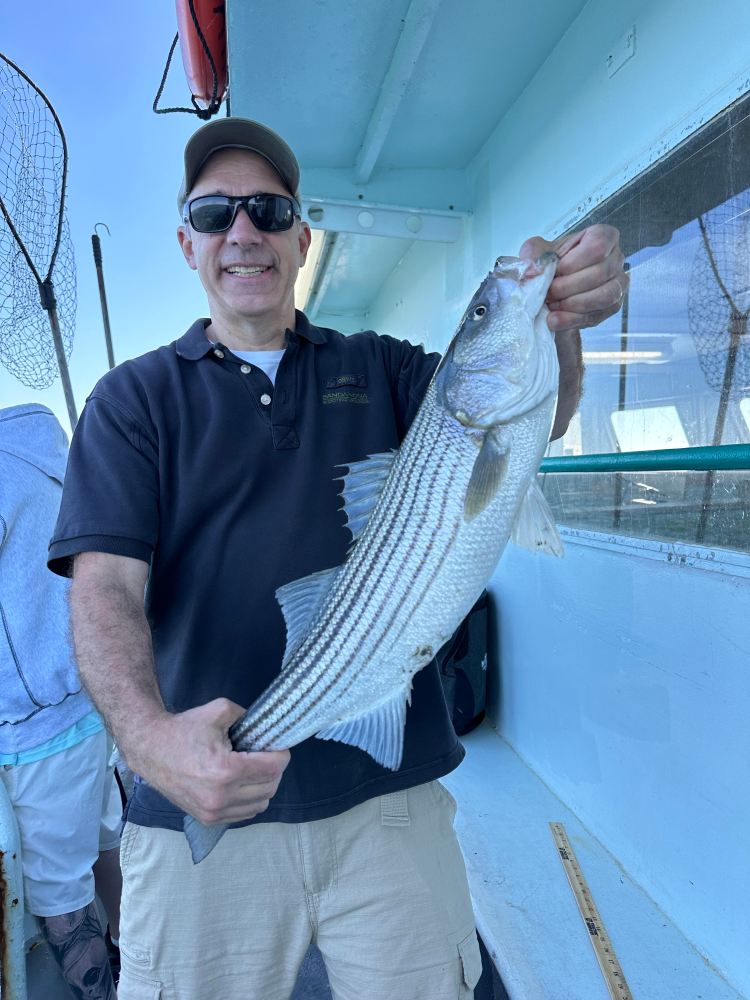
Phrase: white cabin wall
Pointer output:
(623, 682)
(622, 679)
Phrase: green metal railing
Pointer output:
(708, 459)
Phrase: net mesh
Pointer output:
(32, 170)
(719, 295)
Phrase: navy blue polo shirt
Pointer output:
(192, 460)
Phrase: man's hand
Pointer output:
(589, 285)
(590, 282)
(190, 760)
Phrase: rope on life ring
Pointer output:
(202, 37)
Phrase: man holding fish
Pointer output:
(204, 474)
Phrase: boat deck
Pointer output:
(524, 906)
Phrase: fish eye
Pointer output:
(479, 311)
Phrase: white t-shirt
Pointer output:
(268, 361)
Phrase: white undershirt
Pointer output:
(267, 361)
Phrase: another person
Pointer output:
(53, 747)
(203, 474)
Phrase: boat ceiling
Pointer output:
(386, 105)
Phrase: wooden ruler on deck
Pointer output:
(613, 974)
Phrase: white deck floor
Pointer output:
(526, 911)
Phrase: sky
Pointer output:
(100, 65)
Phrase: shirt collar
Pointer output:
(304, 328)
(194, 344)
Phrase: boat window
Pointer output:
(672, 368)
(644, 428)
(667, 506)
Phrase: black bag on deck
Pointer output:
(463, 668)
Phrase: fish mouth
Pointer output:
(529, 278)
(519, 269)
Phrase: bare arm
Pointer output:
(187, 755)
(570, 357)
(113, 645)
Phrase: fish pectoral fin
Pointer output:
(379, 732)
(486, 476)
(202, 839)
(534, 527)
(299, 600)
(363, 485)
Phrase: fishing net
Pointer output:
(718, 309)
(34, 236)
(719, 297)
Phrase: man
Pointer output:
(53, 747)
(203, 472)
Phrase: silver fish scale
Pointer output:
(414, 573)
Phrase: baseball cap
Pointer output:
(238, 133)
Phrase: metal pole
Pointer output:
(50, 304)
(12, 942)
(96, 245)
(701, 459)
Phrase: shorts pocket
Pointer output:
(136, 987)
(471, 965)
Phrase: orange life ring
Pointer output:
(211, 17)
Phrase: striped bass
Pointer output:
(429, 523)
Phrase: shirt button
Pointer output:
(245, 369)
(265, 399)
(218, 353)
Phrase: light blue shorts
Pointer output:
(67, 807)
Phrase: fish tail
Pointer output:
(202, 839)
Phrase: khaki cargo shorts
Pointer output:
(381, 889)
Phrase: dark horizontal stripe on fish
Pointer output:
(336, 639)
(263, 724)
(338, 615)
(384, 630)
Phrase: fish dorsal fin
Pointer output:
(363, 484)
(299, 600)
(379, 732)
(534, 526)
(486, 476)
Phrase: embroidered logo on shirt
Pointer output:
(360, 381)
(345, 389)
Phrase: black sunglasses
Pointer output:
(215, 213)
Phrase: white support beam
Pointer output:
(417, 24)
(307, 275)
(369, 219)
(326, 262)
(435, 190)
